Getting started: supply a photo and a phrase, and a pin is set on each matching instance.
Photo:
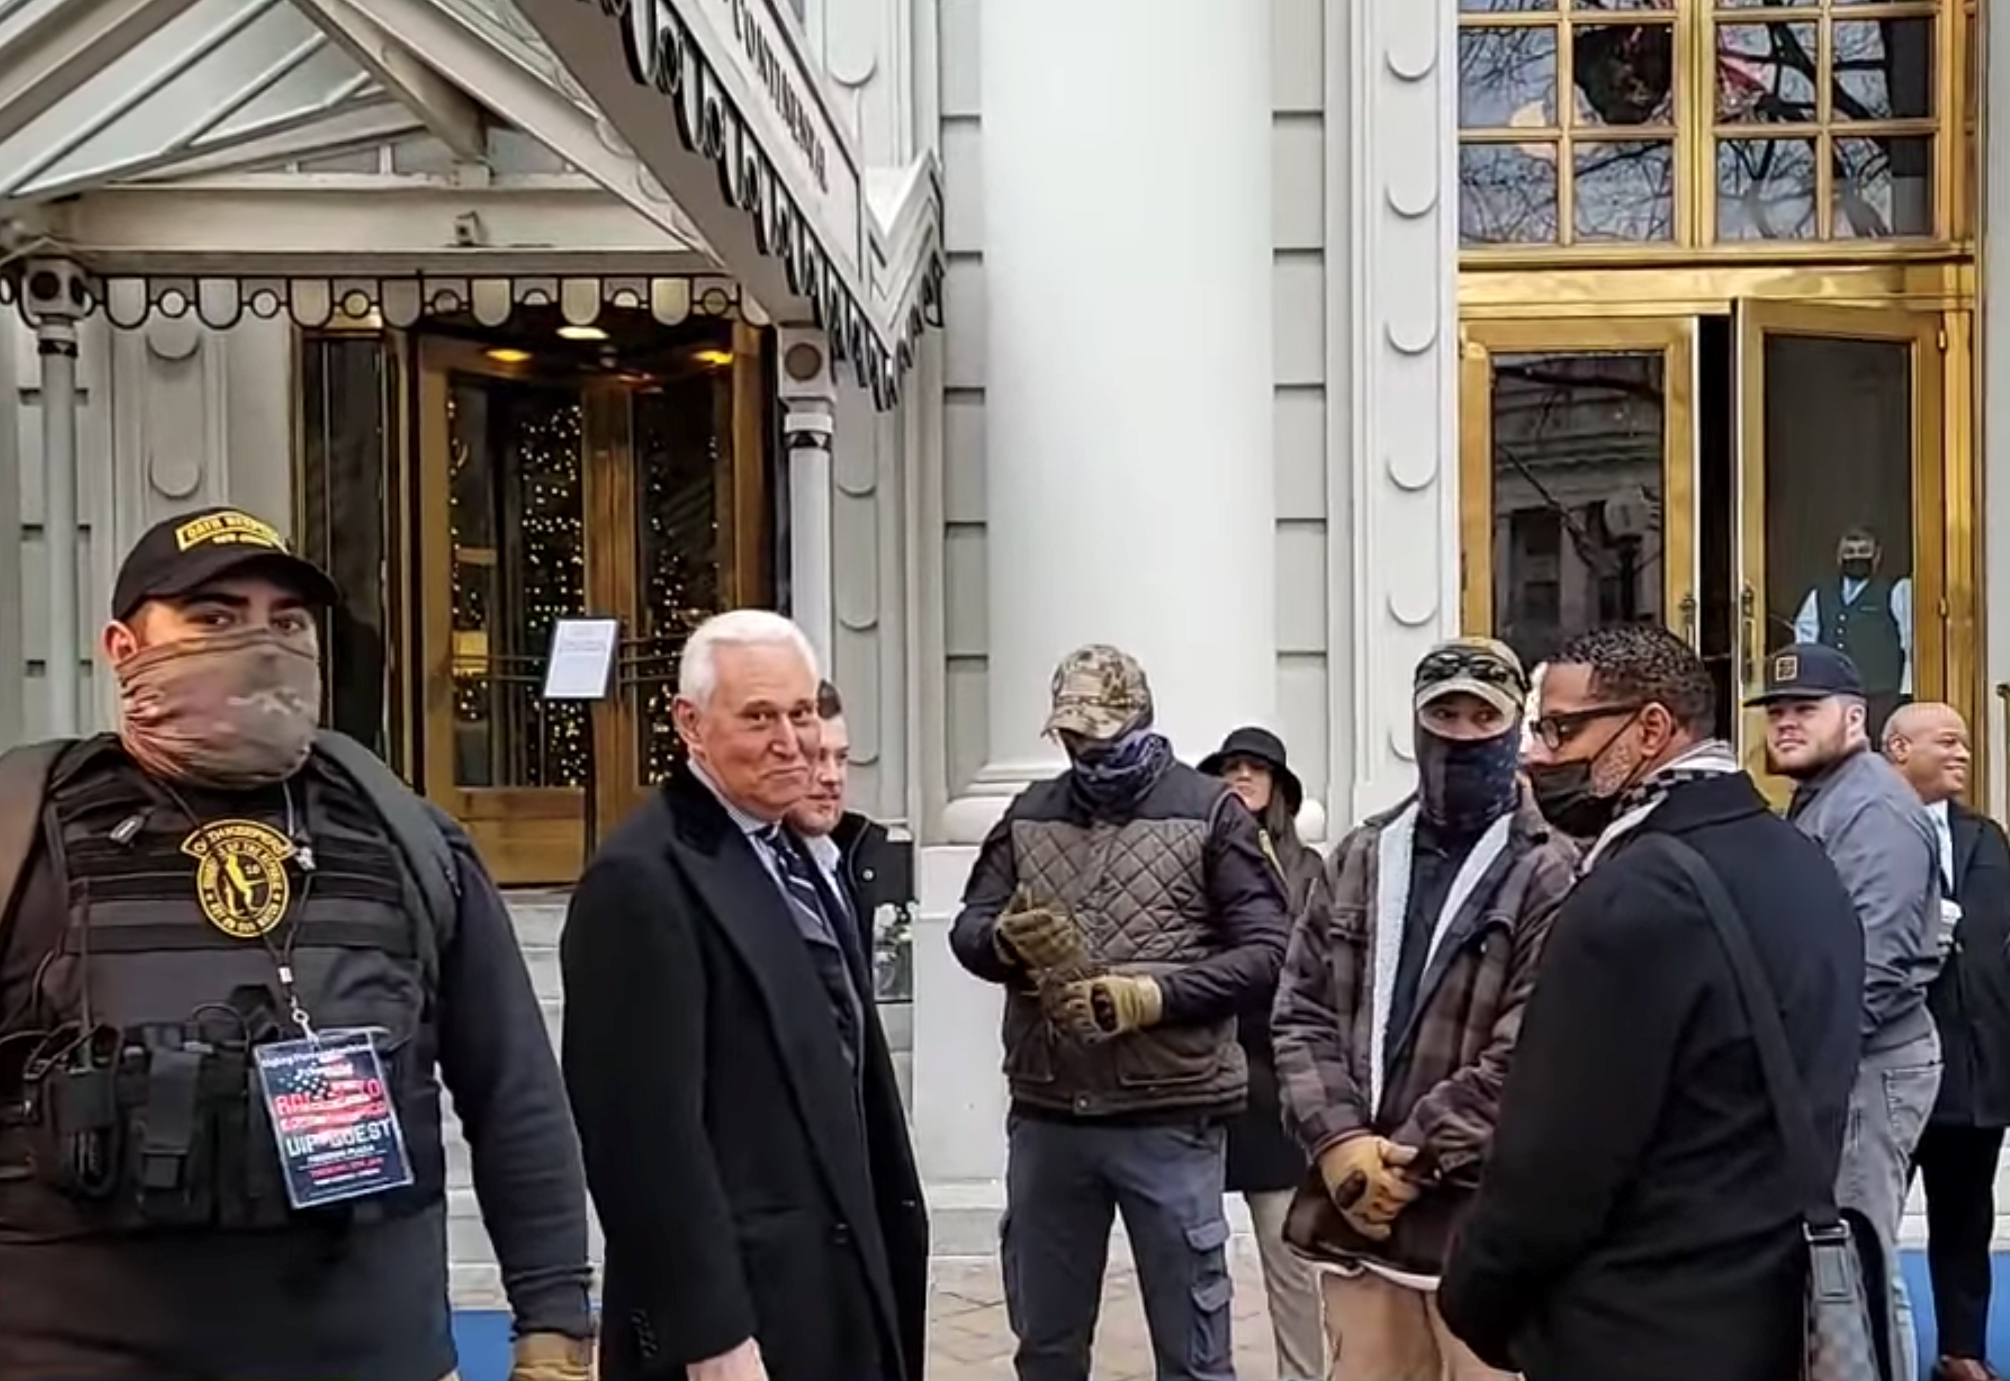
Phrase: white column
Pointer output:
(810, 574)
(1392, 69)
(1128, 387)
(56, 343)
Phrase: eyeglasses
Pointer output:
(1555, 730)
(1459, 663)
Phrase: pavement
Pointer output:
(969, 1339)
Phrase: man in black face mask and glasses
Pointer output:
(1638, 1220)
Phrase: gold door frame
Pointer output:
(1479, 342)
(1942, 541)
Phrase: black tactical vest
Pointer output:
(136, 1105)
(1866, 631)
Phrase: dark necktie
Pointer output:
(806, 898)
(799, 882)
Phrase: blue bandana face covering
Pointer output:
(1114, 774)
(1465, 784)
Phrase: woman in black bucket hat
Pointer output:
(1264, 1162)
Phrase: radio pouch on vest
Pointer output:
(420, 837)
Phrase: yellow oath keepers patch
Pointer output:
(228, 529)
(240, 877)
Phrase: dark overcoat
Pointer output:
(1970, 1000)
(748, 1185)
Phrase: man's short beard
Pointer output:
(1825, 755)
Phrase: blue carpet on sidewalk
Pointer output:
(483, 1336)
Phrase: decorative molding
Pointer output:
(1394, 209)
(221, 303)
(873, 321)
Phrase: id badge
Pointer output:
(1950, 917)
(333, 1124)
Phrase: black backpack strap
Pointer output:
(429, 859)
(1791, 1109)
(24, 785)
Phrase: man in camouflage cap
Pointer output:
(1128, 909)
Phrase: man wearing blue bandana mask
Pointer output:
(1398, 1013)
(1129, 911)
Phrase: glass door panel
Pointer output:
(551, 491)
(1841, 500)
(1577, 473)
(504, 556)
(691, 501)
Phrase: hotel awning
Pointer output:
(719, 102)
(172, 150)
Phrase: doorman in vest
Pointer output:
(234, 954)
(1129, 910)
(1867, 617)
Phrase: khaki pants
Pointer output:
(1290, 1291)
(1379, 1331)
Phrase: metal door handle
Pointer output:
(1689, 634)
(1748, 624)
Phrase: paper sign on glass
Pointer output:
(582, 659)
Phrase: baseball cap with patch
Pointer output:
(1473, 666)
(1098, 693)
(180, 555)
(1808, 671)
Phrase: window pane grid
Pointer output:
(1851, 117)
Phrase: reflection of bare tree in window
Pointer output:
(1623, 78)
(1578, 454)
(1881, 69)
(1626, 72)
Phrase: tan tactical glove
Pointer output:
(552, 1357)
(1120, 1002)
(1364, 1175)
(1038, 938)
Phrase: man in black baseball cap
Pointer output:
(269, 908)
(1806, 673)
(1871, 824)
(182, 555)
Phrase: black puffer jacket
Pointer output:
(1262, 1156)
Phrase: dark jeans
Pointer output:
(1958, 1165)
(1064, 1182)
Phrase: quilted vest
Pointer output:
(1866, 631)
(1137, 890)
(132, 1099)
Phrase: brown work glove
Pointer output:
(552, 1357)
(1364, 1175)
(1038, 938)
(1118, 1003)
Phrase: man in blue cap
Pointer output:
(1882, 842)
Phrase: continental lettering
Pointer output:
(775, 73)
(654, 44)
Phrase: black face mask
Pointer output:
(1564, 794)
(1856, 568)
